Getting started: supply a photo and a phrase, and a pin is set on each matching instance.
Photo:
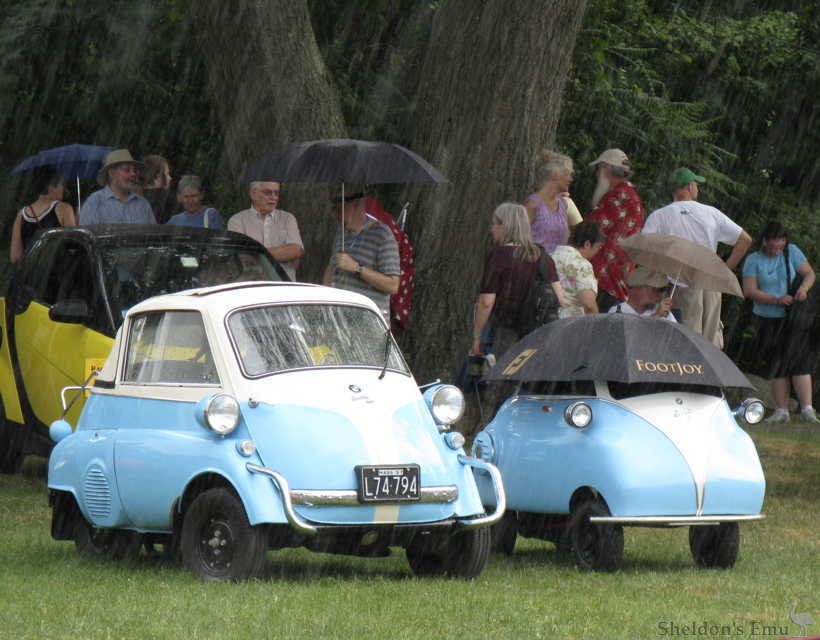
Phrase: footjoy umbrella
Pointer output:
(74, 161)
(617, 347)
(685, 261)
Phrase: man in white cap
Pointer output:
(619, 212)
(646, 295)
(707, 226)
(116, 202)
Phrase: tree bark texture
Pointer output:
(270, 87)
(488, 101)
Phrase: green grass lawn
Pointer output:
(48, 591)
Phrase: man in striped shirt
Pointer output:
(367, 257)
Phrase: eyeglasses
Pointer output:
(270, 193)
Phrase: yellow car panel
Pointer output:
(58, 354)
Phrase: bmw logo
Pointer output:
(354, 388)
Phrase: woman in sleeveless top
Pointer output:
(551, 213)
(47, 211)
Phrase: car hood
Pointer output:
(315, 429)
(704, 430)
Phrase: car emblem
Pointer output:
(679, 400)
(354, 388)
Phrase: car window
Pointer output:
(137, 273)
(621, 390)
(279, 337)
(558, 388)
(168, 347)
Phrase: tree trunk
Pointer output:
(489, 99)
(269, 87)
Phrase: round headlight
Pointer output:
(753, 410)
(483, 448)
(222, 414)
(578, 414)
(448, 404)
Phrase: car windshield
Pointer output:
(623, 390)
(281, 337)
(137, 273)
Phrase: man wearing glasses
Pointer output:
(275, 229)
(116, 202)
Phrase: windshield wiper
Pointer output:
(387, 344)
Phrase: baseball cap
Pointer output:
(615, 157)
(682, 176)
(643, 276)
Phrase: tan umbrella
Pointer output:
(682, 260)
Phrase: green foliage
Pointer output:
(726, 88)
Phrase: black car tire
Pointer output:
(218, 542)
(464, 555)
(504, 534)
(117, 544)
(715, 546)
(596, 547)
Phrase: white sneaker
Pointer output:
(808, 414)
(779, 415)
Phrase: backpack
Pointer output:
(540, 305)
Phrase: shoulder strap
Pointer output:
(788, 266)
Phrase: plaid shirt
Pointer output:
(619, 214)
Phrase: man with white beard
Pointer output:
(619, 212)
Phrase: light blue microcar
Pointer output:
(232, 420)
(582, 458)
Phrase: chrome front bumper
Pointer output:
(441, 494)
(674, 521)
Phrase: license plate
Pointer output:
(393, 483)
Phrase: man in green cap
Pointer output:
(707, 226)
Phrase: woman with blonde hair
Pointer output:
(509, 272)
(551, 212)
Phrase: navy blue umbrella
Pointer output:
(74, 161)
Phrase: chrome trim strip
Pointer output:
(498, 487)
(446, 493)
(676, 521)
(298, 523)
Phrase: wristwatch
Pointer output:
(359, 270)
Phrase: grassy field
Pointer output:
(48, 591)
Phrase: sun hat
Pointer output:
(118, 156)
(644, 276)
(682, 176)
(615, 157)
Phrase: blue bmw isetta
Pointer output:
(232, 420)
(614, 421)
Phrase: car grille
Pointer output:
(97, 493)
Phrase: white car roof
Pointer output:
(222, 298)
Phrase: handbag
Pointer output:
(540, 305)
(800, 316)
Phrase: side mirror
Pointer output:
(72, 311)
(59, 430)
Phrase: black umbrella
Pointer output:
(343, 160)
(617, 347)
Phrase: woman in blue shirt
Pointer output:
(782, 354)
(194, 213)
